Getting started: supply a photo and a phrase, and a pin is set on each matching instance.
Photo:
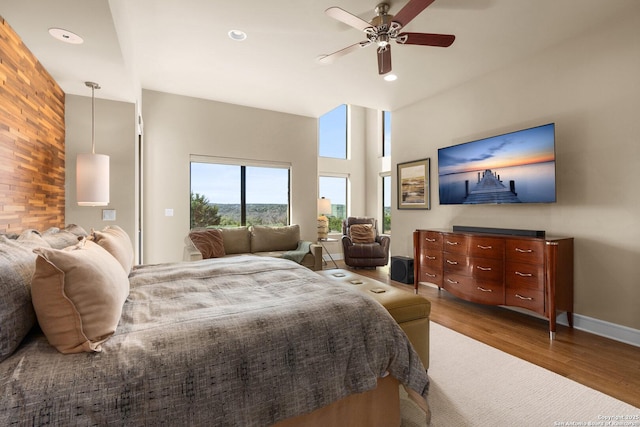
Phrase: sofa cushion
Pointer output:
(116, 241)
(362, 233)
(236, 240)
(209, 242)
(265, 239)
(78, 294)
(17, 264)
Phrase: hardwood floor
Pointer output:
(603, 364)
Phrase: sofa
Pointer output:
(278, 242)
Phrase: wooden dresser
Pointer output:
(529, 272)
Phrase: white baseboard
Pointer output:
(604, 329)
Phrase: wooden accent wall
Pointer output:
(32, 133)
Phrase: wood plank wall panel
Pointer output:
(32, 134)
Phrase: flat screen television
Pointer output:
(516, 167)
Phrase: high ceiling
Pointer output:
(182, 47)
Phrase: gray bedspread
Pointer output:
(244, 341)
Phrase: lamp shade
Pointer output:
(324, 206)
(92, 179)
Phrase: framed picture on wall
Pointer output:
(413, 184)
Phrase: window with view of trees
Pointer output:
(386, 133)
(332, 133)
(334, 188)
(386, 204)
(227, 195)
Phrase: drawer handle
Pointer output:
(430, 257)
(485, 247)
(524, 298)
(429, 240)
(430, 275)
(451, 243)
(483, 268)
(452, 262)
(524, 251)
(523, 274)
(483, 289)
(453, 281)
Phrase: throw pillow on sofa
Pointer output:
(268, 239)
(209, 242)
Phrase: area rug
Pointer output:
(473, 384)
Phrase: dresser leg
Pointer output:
(552, 335)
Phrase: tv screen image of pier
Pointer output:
(516, 167)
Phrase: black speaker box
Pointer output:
(402, 269)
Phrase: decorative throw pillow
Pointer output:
(78, 294)
(362, 233)
(267, 239)
(116, 241)
(17, 263)
(209, 242)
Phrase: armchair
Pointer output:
(362, 245)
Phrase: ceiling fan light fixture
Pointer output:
(237, 35)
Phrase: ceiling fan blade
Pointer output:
(328, 59)
(426, 39)
(347, 18)
(410, 11)
(384, 60)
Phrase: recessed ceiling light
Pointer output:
(390, 77)
(65, 36)
(237, 35)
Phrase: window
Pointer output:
(332, 133)
(334, 188)
(386, 204)
(236, 194)
(386, 133)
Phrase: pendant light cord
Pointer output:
(93, 87)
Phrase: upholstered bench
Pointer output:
(411, 311)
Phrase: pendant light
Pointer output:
(92, 170)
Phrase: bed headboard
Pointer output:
(32, 135)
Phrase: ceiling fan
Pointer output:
(384, 28)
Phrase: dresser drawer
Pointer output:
(529, 251)
(474, 290)
(521, 275)
(455, 243)
(526, 298)
(486, 247)
(456, 263)
(430, 258)
(486, 269)
(431, 275)
(430, 240)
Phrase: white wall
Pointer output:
(115, 126)
(179, 126)
(588, 86)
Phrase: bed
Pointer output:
(246, 341)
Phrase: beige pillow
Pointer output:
(267, 239)
(362, 233)
(116, 241)
(209, 242)
(78, 294)
(236, 240)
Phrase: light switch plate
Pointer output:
(168, 212)
(108, 214)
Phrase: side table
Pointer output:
(322, 242)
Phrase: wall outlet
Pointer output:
(168, 212)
